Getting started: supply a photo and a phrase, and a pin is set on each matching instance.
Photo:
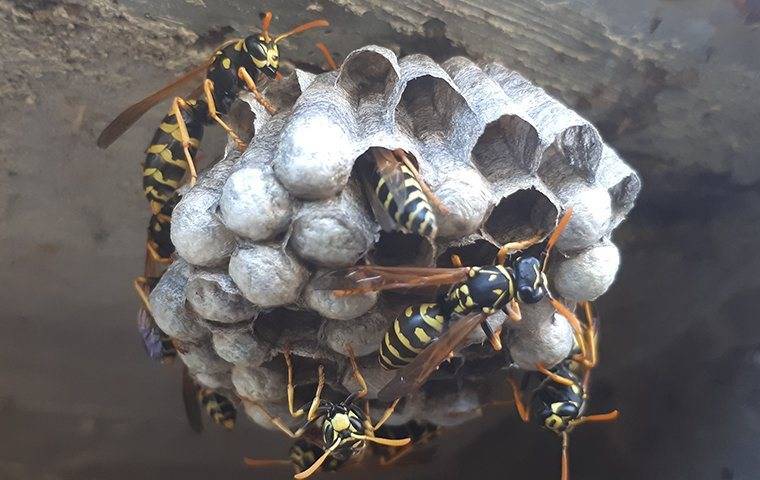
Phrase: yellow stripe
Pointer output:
(435, 322)
(420, 333)
(387, 360)
(405, 341)
(411, 182)
(156, 148)
(428, 218)
(392, 349)
(168, 127)
(158, 176)
(420, 207)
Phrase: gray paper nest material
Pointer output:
(503, 157)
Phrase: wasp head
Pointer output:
(264, 53)
(558, 416)
(341, 421)
(263, 47)
(531, 283)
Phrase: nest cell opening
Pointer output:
(429, 106)
(279, 325)
(509, 140)
(366, 73)
(479, 252)
(521, 215)
(398, 248)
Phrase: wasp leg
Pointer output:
(386, 415)
(553, 376)
(246, 77)
(565, 456)
(139, 284)
(513, 310)
(357, 375)
(277, 422)
(591, 339)
(317, 396)
(328, 56)
(153, 253)
(424, 186)
(291, 390)
(208, 89)
(521, 409)
(578, 330)
(493, 337)
(177, 105)
(456, 260)
(512, 247)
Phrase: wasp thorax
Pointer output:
(486, 288)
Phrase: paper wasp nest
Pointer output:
(502, 156)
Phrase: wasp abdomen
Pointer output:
(165, 163)
(219, 408)
(159, 229)
(410, 333)
(415, 215)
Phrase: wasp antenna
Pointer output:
(265, 23)
(390, 442)
(328, 56)
(302, 28)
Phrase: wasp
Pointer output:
(400, 198)
(425, 334)
(235, 66)
(219, 408)
(346, 429)
(305, 451)
(560, 408)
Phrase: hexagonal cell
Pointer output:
(520, 216)
(368, 72)
(474, 251)
(396, 248)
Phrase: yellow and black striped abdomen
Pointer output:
(165, 164)
(219, 408)
(159, 229)
(414, 215)
(410, 333)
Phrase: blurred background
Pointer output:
(673, 85)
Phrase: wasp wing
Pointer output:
(388, 165)
(375, 278)
(415, 374)
(190, 399)
(128, 117)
